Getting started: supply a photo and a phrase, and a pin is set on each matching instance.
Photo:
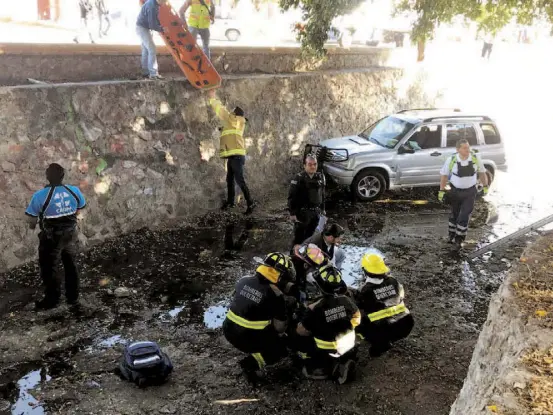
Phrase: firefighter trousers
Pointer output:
(382, 334)
(265, 347)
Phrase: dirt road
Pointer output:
(178, 285)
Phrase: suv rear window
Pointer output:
(456, 132)
(491, 136)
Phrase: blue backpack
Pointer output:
(144, 363)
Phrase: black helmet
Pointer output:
(279, 262)
(329, 279)
(334, 230)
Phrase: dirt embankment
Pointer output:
(511, 372)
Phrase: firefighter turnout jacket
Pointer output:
(382, 300)
(257, 302)
(306, 192)
(232, 134)
(332, 319)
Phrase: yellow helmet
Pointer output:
(374, 264)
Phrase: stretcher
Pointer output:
(190, 58)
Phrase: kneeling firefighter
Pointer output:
(257, 317)
(307, 258)
(385, 319)
(326, 333)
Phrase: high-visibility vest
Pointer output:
(453, 161)
(199, 14)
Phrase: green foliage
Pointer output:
(318, 16)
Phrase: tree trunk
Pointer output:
(421, 45)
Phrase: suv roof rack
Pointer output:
(429, 109)
(455, 117)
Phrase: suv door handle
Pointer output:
(435, 154)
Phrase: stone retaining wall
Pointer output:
(145, 152)
(76, 63)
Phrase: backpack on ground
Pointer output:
(144, 363)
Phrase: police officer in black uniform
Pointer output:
(306, 200)
(385, 318)
(326, 333)
(258, 315)
(55, 209)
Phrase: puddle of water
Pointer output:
(468, 278)
(351, 268)
(26, 403)
(215, 315)
(107, 343)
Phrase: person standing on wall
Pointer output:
(202, 14)
(148, 20)
(462, 170)
(306, 200)
(85, 8)
(233, 149)
(55, 209)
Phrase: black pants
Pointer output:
(462, 204)
(56, 244)
(265, 347)
(381, 335)
(487, 49)
(235, 172)
(306, 225)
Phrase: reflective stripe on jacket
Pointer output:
(253, 325)
(232, 137)
(199, 15)
(388, 312)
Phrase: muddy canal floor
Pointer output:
(178, 282)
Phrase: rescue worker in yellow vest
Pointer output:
(385, 319)
(257, 317)
(462, 170)
(326, 333)
(233, 149)
(202, 14)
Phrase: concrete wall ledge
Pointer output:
(76, 63)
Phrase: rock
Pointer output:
(148, 191)
(92, 384)
(92, 134)
(8, 167)
(4, 405)
(110, 292)
(205, 255)
(519, 385)
(121, 292)
(128, 164)
(154, 174)
(145, 135)
(168, 409)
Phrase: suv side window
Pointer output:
(426, 136)
(456, 132)
(491, 136)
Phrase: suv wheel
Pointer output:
(232, 34)
(368, 185)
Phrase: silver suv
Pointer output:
(407, 149)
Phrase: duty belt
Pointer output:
(254, 325)
(388, 312)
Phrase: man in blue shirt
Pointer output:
(55, 209)
(148, 20)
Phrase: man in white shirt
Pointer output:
(462, 171)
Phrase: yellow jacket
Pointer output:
(200, 15)
(232, 135)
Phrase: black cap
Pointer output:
(55, 173)
(239, 112)
(334, 230)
